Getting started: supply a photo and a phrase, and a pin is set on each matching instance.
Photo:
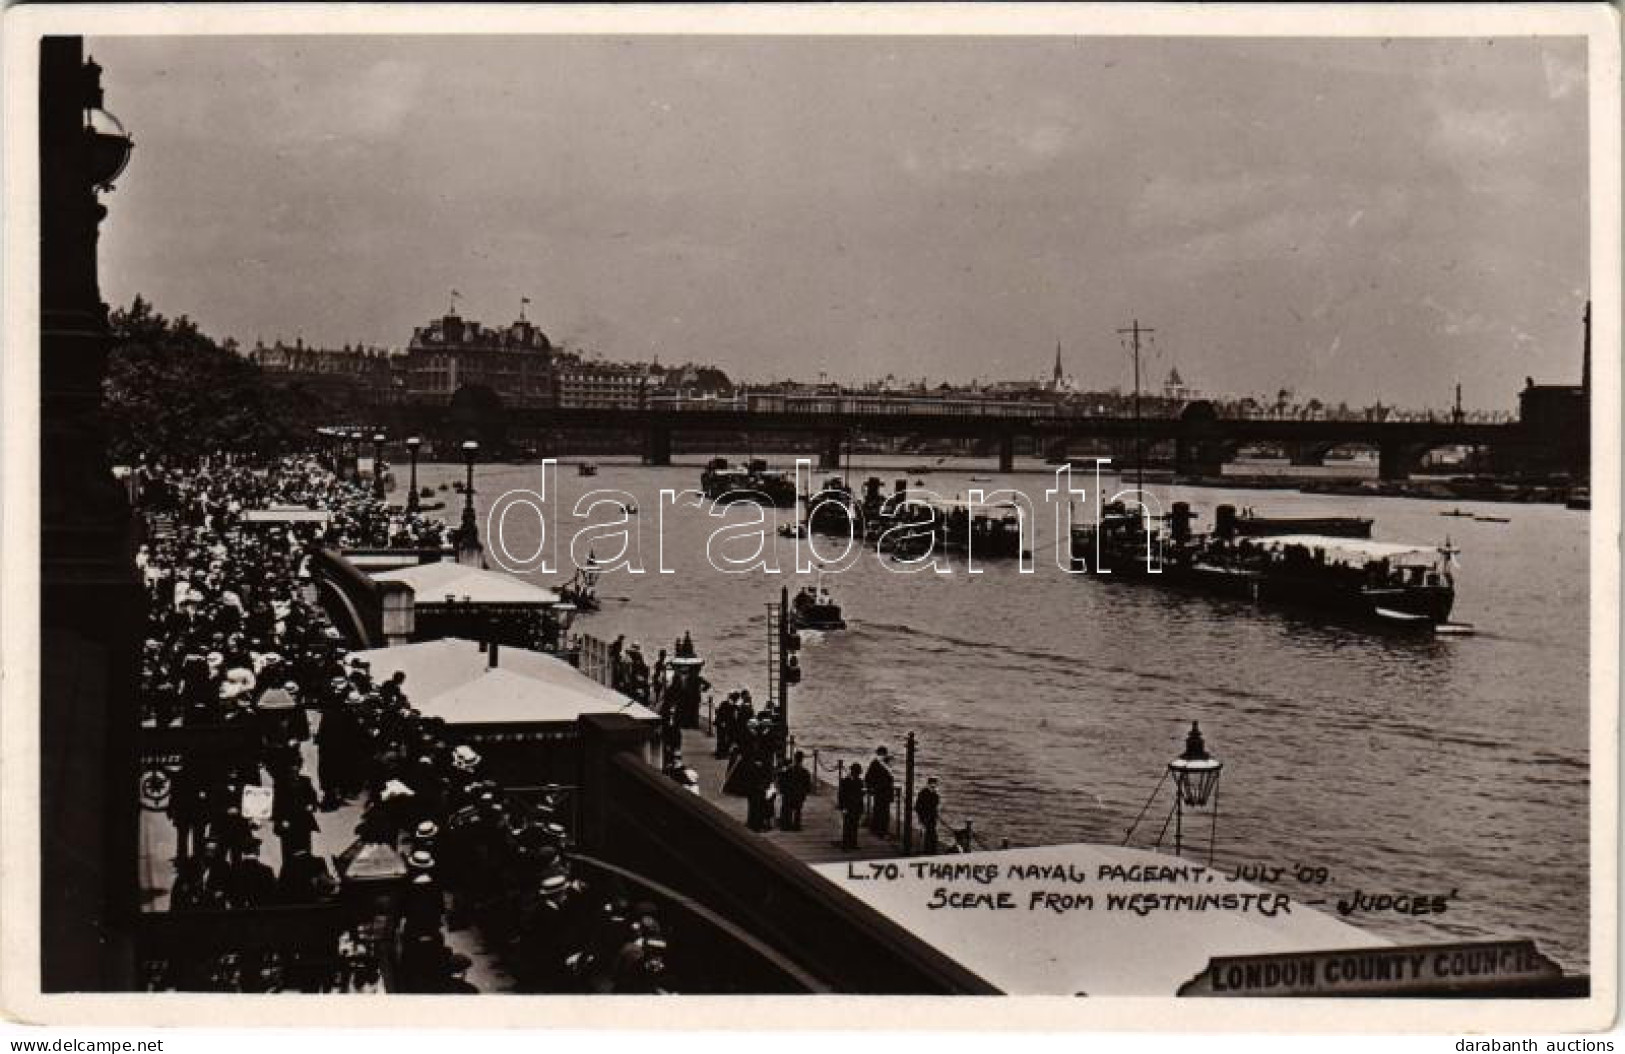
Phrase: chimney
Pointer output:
(491, 656)
(1585, 367)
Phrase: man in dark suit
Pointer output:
(795, 783)
(927, 806)
(879, 783)
(850, 800)
(253, 883)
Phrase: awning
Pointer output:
(285, 514)
(432, 583)
(1154, 922)
(451, 679)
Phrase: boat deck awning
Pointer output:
(1353, 550)
(1155, 921)
(433, 583)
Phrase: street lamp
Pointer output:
(412, 444)
(468, 535)
(1196, 778)
(110, 145)
(378, 465)
(355, 455)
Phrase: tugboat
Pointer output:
(1375, 583)
(814, 608)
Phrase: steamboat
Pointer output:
(991, 529)
(753, 481)
(1377, 583)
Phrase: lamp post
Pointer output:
(468, 534)
(412, 444)
(355, 456)
(1196, 778)
(378, 465)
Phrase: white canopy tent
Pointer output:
(433, 583)
(453, 679)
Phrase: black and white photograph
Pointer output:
(971, 502)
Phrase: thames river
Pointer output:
(1049, 704)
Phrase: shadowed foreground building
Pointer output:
(91, 603)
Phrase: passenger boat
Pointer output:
(814, 608)
(751, 482)
(1579, 498)
(586, 468)
(1367, 581)
(1457, 512)
(1251, 525)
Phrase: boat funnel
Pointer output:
(1180, 521)
(1224, 522)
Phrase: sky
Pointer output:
(1354, 220)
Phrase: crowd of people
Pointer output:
(237, 644)
(306, 740)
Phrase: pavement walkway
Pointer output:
(818, 841)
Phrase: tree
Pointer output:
(171, 391)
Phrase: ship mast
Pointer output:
(1139, 452)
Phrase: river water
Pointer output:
(1049, 704)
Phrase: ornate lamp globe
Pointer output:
(1195, 772)
(413, 442)
(110, 147)
(470, 448)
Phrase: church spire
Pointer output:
(1055, 382)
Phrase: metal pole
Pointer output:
(784, 663)
(377, 466)
(1213, 832)
(908, 795)
(412, 498)
(1179, 820)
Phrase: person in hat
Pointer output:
(849, 799)
(722, 724)
(878, 781)
(424, 836)
(423, 907)
(338, 744)
(253, 883)
(927, 807)
(293, 809)
(795, 783)
(456, 983)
